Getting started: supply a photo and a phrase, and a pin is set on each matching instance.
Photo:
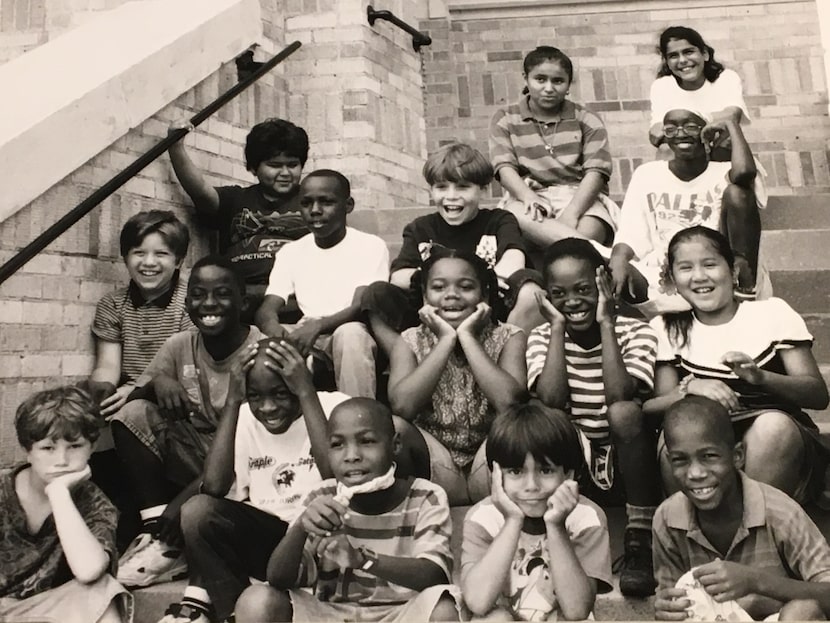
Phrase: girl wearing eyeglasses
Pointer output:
(666, 196)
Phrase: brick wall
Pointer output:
(46, 308)
(474, 67)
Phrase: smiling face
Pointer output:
(703, 277)
(548, 84)
(362, 446)
(151, 265)
(457, 202)
(270, 400)
(686, 62)
(454, 289)
(279, 175)
(572, 288)
(530, 485)
(324, 208)
(51, 458)
(214, 300)
(704, 466)
(686, 143)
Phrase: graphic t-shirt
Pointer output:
(275, 473)
(252, 229)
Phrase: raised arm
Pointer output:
(618, 383)
(204, 196)
(743, 169)
(267, 316)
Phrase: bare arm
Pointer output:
(204, 196)
(586, 193)
(743, 169)
(266, 317)
(666, 392)
(218, 472)
(284, 564)
(107, 362)
(504, 382)
(411, 385)
(575, 591)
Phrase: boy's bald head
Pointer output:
(706, 413)
(368, 410)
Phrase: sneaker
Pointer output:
(602, 466)
(635, 566)
(150, 562)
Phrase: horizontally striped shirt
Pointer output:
(776, 537)
(140, 326)
(578, 140)
(760, 329)
(587, 407)
(418, 527)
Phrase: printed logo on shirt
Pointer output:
(486, 249)
(283, 477)
(260, 462)
(675, 211)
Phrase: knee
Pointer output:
(738, 200)
(353, 335)
(802, 610)
(196, 510)
(526, 296)
(773, 434)
(263, 603)
(445, 610)
(625, 419)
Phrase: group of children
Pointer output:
(523, 376)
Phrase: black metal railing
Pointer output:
(82, 209)
(418, 38)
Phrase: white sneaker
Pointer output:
(151, 561)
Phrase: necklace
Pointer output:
(551, 149)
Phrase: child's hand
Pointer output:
(117, 399)
(621, 278)
(726, 581)
(537, 207)
(173, 401)
(323, 516)
(561, 503)
(605, 304)
(180, 124)
(716, 390)
(670, 604)
(475, 323)
(339, 550)
(69, 480)
(290, 364)
(306, 334)
(239, 368)
(507, 507)
(440, 327)
(743, 366)
(555, 317)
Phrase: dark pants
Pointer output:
(226, 542)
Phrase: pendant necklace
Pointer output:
(551, 149)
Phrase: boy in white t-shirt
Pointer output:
(327, 270)
(268, 454)
(664, 197)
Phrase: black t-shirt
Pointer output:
(488, 235)
(252, 229)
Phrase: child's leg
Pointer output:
(226, 542)
(413, 457)
(445, 610)
(525, 312)
(595, 229)
(774, 451)
(262, 603)
(353, 352)
(541, 233)
(388, 311)
(741, 222)
(802, 610)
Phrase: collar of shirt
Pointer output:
(568, 111)
(161, 301)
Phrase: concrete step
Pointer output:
(797, 212)
(796, 249)
(808, 291)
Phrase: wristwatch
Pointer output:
(370, 559)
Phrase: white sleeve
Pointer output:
(730, 92)
(380, 272)
(241, 455)
(280, 281)
(791, 330)
(657, 97)
(665, 351)
(633, 227)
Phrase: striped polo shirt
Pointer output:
(140, 326)
(638, 346)
(418, 527)
(775, 537)
(553, 152)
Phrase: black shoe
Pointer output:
(635, 566)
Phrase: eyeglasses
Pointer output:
(689, 129)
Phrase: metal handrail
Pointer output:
(418, 38)
(82, 209)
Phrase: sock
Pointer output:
(639, 517)
(198, 604)
(150, 517)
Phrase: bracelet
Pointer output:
(683, 385)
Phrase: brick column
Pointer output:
(357, 91)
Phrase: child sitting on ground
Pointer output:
(458, 177)
(269, 453)
(598, 366)
(665, 197)
(57, 529)
(377, 547)
(753, 357)
(163, 444)
(456, 371)
(133, 322)
(751, 550)
(253, 222)
(328, 270)
(551, 155)
(535, 548)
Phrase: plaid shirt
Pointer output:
(775, 536)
